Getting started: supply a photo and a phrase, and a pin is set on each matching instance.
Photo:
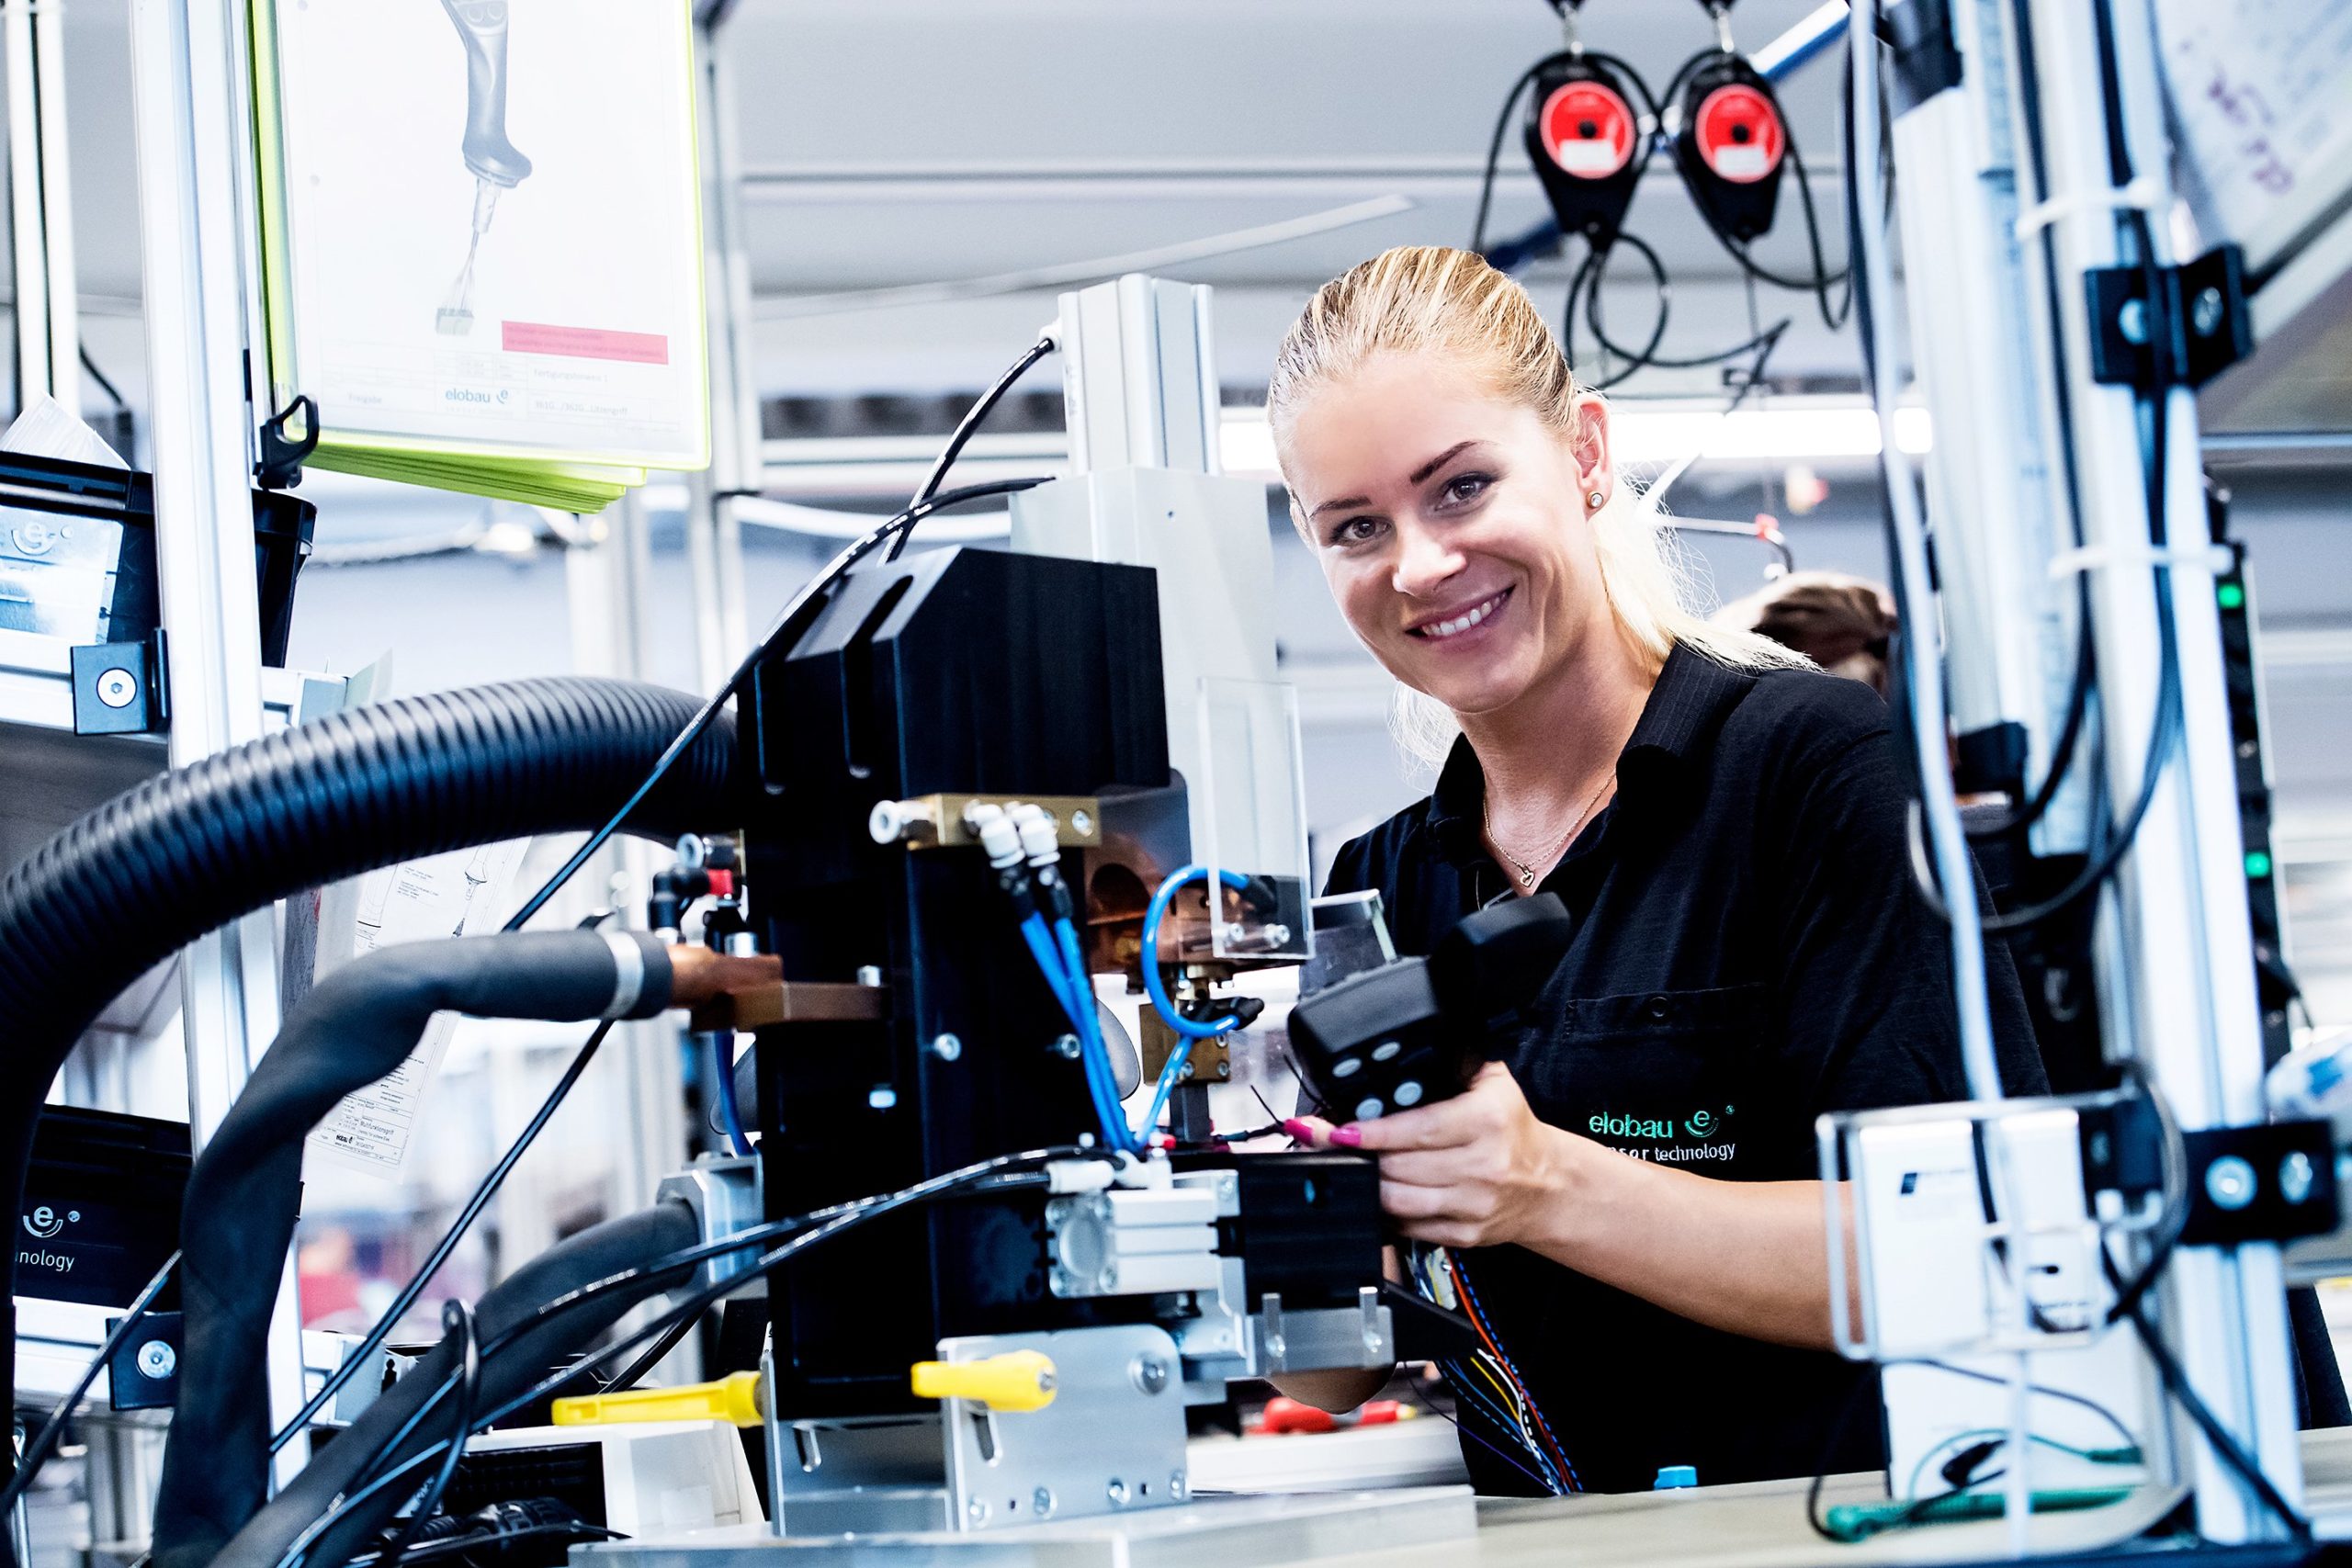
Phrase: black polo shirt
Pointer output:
(1750, 953)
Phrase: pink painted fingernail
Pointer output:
(1300, 1133)
(1348, 1137)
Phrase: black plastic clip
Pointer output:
(2270, 1183)
(145, 1373)
(282, 454)
(2204, 302)
(121, 688)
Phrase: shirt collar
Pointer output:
(1658, 768)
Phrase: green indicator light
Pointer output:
(2258, 864)
(2231, 595)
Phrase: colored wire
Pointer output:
(1478, 1320)
(363, 1353)
(731, 1112)
(44, 1441)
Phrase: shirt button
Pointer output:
(1658, 1008)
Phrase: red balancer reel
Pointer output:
(1587, 145)
(1732, 147)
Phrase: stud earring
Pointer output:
(1595, 499)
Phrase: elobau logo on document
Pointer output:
(483, 397)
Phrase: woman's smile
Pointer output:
(1460, 627)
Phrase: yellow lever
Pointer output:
(735, 1398)
(1018, 1380)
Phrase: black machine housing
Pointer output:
(959, 671)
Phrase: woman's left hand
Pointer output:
(1480, 1169)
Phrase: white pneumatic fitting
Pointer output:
(1037, 835)
(1002, 840)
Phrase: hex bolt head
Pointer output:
(1066, 1046)
(1042, 1500)
(2132, 321)
(1176, 1486)
(1081, 821)
(157, 1360)
(976, 1511)
(869, 976)
(1150, 1373)
(1116, 1491)
(2229, 1182)
(947, 1047)
(1225, 1069)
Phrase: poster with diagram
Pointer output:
(482, 228)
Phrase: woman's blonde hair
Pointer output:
(1434, 299)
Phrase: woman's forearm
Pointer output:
(1750, 1257)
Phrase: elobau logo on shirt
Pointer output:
(1700, 1123)
(1610, 1126)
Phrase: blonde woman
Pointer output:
(1627, 1204)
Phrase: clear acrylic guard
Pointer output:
(1254, 806)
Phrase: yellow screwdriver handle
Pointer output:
(735, 1398)
(1018, 1380)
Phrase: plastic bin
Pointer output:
(77, 553)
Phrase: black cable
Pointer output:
(1845, 1419)
(844, 1217)
(1495, 151)
(1823, 281)
(2233, 1454)
(789, 622)
(971, 422)
(44, 1441)
(629, 1376)
(457, 1320)
(2062, 751)
(2174, 1216)
(1587, 283)
(487, 1189)
(106, 386)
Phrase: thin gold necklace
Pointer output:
(1526, 871)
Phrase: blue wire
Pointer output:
(1099, 1086)
(1089, 1035)
(1154, 985)
(1170, 1072)
(722, 1051)
(1041, 948)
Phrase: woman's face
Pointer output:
(1452, 526)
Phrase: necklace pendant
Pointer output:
(1526, 877)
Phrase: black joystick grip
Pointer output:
(482, 25)
(1412, 1032)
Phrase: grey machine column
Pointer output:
(191, 100)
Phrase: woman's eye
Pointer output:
(1356, 530)
(1463, 488)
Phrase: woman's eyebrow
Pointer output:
(1416, 476)
(1441, 460)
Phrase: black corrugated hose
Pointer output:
(359, 1024)
(175, 858)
